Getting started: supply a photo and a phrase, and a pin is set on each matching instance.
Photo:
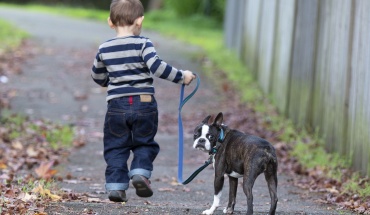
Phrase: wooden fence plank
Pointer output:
(331, 76)
(283, 54)
(303, 60)
(321, 77)
(229, 26)
(359, 111)
(266, 44)
(251, 34)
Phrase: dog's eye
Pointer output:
(210, 137)
(196, 135)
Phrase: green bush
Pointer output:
(184, 8)
(212, 8)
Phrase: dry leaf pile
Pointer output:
(28, 155)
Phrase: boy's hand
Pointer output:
(188, 77)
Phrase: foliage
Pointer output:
(184, 8)
(211, 8)
(10, 42)
(358, 185)
(317, 156)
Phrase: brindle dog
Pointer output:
(239, 155)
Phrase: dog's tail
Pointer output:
(272, 155)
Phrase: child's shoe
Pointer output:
(142, 186)
(117, 196)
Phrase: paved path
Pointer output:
(56, 84)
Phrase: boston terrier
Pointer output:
(238, 155)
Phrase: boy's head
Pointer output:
(125, 12)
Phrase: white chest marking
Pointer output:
(235, 175)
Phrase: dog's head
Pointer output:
(206, 135)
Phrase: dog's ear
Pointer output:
(218, 119)
(205, 120)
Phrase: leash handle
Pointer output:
(181, 134)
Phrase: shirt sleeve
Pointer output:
(158, 67)
(99, 72)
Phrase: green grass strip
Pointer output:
(10, 36)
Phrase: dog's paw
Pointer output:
(208, 212)
(228, 211)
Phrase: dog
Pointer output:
(238, 155)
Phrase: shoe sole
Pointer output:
(116, 198)
(141, 187)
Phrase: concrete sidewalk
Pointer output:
(56, 84)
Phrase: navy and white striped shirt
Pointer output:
(125, 64)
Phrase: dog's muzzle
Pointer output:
(201, 144)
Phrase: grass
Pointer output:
(21, 128)
(208, 34)
(64, 10)
(357, 185)
(10, 42)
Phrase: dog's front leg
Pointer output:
(218, 185)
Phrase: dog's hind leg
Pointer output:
(272, 181)
(233, 183)
(248, 182)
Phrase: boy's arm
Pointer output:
(158, 67)
(99, 72)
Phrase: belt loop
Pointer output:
(130, 100)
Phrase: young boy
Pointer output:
(123, 64)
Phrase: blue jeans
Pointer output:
(130, 125)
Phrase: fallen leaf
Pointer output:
(31, 152)
(186, 189)
(72, 181)
(17, 145)
(93, 200)
(46, 193)
(44, 170)
(3, 165)
(9, 193)
(166, 189)
(27, 197)
(332, 190)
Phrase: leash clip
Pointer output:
(210, 159)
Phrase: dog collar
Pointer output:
(221, 137)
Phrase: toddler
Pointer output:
(124, 64)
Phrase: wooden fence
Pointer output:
(313, 58)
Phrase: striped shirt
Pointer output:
(125, 65)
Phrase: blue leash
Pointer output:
(181, 135)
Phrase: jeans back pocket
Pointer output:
(147, 124)
(117, 124)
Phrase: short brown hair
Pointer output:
(125, 12)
